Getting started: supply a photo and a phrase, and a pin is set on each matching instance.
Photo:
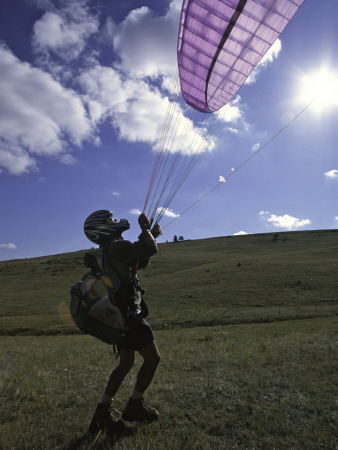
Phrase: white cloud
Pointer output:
(271, 54)
(240, 233)
(336, 218)
(41, 117)
(267, 59)
(141, 117)
(232, 130)
(129, 94)
(9, 246)
(331, 174)
(64, 31)
(137, 110)
(167, 212)
(115, 194)
(288, 222)
(135, 212)
(14, 158)
(155, 53)
(231, 112)
(37, 115)
(68, 160)
(104, 91)
(152, 59)
(185, 137)
(255, 147)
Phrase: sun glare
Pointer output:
(322, 87)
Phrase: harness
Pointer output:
(102, 304)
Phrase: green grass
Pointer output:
(244, 386)
(247, 329)
(254, 278)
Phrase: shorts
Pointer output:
(137, 337)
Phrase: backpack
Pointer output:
(93, 306)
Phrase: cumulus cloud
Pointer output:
(135, 212)
(135, 108)
(14, 158)
(267, 59)
(232, 111)
(288, 222)
(154, 54)
(103, 90)
(152, 59)
(240, 233)
(167, 212)
(38, 116)
(331, 174)
(9, 246)
(64, 31)
(141, 117)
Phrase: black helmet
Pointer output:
(100, 225)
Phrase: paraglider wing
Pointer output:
(221, 41)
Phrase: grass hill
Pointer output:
(247, 329)
(226, 280)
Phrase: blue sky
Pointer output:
(83, 98)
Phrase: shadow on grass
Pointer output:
(79, 442)
(99, 441)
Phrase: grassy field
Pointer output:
(247, 328)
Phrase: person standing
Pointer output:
(125, 259)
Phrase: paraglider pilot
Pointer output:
(125, 258)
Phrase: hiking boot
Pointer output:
(104, 421)
(139, 411)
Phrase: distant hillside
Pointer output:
(226, 280)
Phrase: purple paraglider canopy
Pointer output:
(221, 41)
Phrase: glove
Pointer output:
(143, 222)
(156, 231)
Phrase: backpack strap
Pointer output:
(93, 260)
(96, 260)
(115, 279)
